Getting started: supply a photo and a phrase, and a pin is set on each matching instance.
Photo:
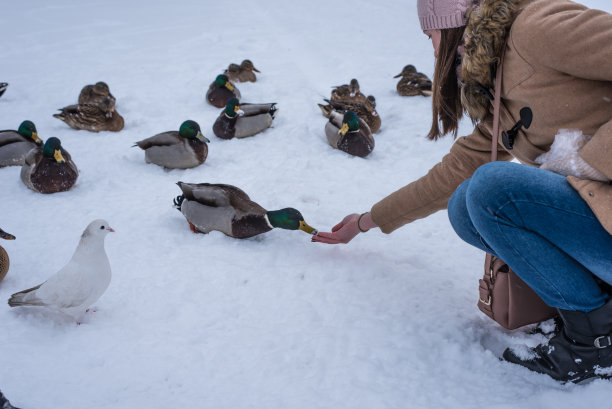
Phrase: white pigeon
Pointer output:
(80, 283)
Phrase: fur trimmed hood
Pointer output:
(488, 24)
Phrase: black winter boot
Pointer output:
(581, 350)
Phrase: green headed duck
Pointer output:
(364, 110)
(15, 145)
(242, 120)
(221, 91)
(49, 169)
(228, 209)
(349, 133)
(182, 149)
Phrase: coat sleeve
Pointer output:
(431, 192)
(573, 39)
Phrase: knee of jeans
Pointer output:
(457, 210)
(487, 185)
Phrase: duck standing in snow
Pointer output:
(3, 87)
(15, 145)
(98, 93)
(182, 149)
(80, 283)
(220, 91)
(92, 117)
(49, 169)
(242, 120)
(242, 73)
(4, 258)
(413, 83)
(228, 209)
(364, 110)
(349, 133)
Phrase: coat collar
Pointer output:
(486, 30)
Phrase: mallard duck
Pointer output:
(228, 209)
(15, 145)
(241, 73)
(349, 133)
(49, 169)
(4, 258)
(3, 86)
(182, 149)
(92, 117)
(98, 93)
(364, 110)
(242, 120)
(348, 92)
(221, 91)
(413, 82)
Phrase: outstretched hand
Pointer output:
(343, 232)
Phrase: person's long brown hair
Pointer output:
(446, 103)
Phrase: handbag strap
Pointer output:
(495, 136)
(496, 105)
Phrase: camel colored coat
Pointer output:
(558, 62)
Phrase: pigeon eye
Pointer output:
(101, 227)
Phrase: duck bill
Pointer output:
(229, 86)
(202, 138)
(398, 75)
(344, 129)
(305, 227)
(58, 156)
(255, 69)
(6, 236)
(36, 139)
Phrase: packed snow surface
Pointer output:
(207, 321)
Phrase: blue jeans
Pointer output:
(540, 226)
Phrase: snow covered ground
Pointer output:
(206, 321)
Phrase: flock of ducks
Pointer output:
(48, 167)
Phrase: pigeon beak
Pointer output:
(110, 229)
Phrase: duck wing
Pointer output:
(161, 139)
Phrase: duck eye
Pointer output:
(101, 227)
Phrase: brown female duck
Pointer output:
(413, 82)
(242, 73)
(92, 117)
